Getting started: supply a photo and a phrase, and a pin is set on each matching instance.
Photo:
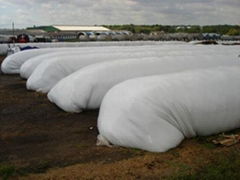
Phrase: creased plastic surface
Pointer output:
(73, 57)
(86, 88)
(12, 63)
(155, 113)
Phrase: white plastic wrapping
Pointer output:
(72, 58)
(12, 63)
(85, 88)
(29, 66)
(54, 67)
(155, 113)
(4, 47)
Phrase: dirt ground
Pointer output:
(40, 141)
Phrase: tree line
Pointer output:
(147, 29)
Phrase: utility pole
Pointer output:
(13, 39)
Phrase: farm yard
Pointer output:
(38, 140)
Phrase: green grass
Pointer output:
(7, 171)
(225, 166)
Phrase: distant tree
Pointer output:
(233, 32)
(220, 29)
(193, 29)
(132, 28)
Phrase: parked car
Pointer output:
(23, 38)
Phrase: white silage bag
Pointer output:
(156, 113)
(48, 70)
(86, 88)
(72, 56)
(13, 63)
(96, 44)
(55, 67)
(29, 66)
(4, 47)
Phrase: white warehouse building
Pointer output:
(65, 32)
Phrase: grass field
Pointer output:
(40, 141)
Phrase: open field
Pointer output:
(40, 141)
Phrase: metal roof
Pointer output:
(80, 28)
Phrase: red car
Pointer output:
(22, 38)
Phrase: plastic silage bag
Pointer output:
(29, 66)
(49, 73)
(95, 44)
(72, 57)
(55, 67)
(86, 88)
(12, 63)
(4, 47)
(156, 113)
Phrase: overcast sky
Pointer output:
(90, 12)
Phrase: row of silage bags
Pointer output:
(86, 88)
(94, 44)
(55, 67)
(4, 47)
(52, 70)
(12, 63)
(31, 64)
(156, 113)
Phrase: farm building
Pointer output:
(65, 32)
